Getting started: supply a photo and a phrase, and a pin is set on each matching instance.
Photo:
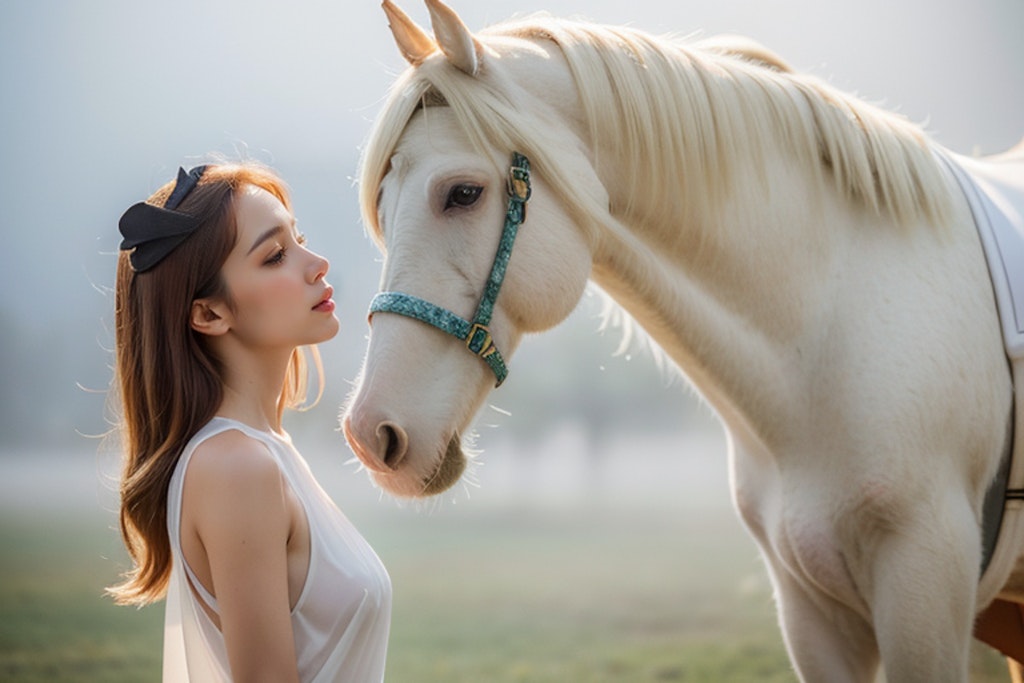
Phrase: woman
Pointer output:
(265, 578)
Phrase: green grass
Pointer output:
(482, 593)
(596, 596)
(55, 623)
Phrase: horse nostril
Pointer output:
(393, 443)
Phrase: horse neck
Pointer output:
(731, 299)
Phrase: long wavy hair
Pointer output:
(167, 382)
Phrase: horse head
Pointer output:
(438, 190)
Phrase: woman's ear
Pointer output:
(210, 317)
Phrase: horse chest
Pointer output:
(795, 532)
(808, 547)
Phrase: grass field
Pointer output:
(486, 590)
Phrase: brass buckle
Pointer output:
(486, 344)
(518, 184)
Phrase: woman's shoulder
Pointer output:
(232, 460)
(234, 488)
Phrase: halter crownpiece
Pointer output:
(475, 334)
(152, 232)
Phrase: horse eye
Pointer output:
(463, 196)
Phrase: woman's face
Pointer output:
(280, 297)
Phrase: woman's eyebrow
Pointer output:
(264, 237)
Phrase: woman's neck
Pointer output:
(252, 388)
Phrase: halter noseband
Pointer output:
(475, 334)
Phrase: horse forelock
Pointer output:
(490, 117)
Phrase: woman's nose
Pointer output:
(319, 266)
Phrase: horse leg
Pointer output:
(825, 641)
(922, 593)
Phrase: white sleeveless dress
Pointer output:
(342, 618)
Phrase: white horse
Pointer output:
(801, 256)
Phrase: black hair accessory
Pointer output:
(152, 232)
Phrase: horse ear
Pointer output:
(414, 43)
(454, 39)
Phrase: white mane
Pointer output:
(667, 111)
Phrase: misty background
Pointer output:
(102, 101)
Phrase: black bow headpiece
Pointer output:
(152, 232)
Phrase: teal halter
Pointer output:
(475, 334)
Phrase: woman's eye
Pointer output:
(463, 196)
(276, 257)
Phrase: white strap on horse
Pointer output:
(995, 193)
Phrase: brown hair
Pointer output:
(167, 381)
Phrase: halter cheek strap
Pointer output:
(475, 333)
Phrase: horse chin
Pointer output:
(420, 482)
(453, 464)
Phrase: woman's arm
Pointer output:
(237, 500)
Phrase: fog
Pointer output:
(102, 101)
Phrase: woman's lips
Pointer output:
(326, 304)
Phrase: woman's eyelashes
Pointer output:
(280, 250)
(276, 257)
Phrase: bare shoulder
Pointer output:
(231, 455)
(232, 468)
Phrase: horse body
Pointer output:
(832, 459)
(849, 343)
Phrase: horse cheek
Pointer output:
(549, 279)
